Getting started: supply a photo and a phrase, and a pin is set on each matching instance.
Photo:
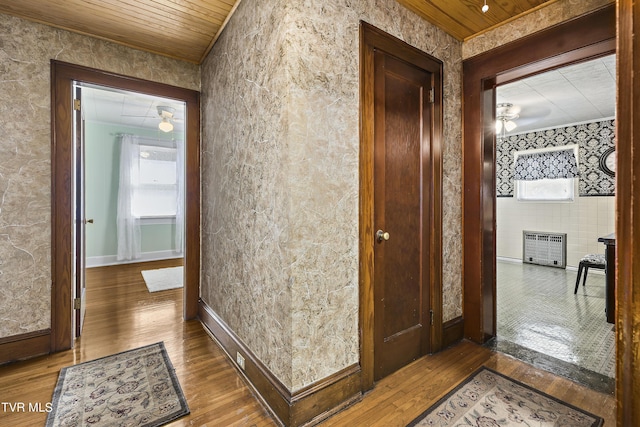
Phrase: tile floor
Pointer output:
(539, 317)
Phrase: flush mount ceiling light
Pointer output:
(166, 114)
(506, 113)
(165, 125)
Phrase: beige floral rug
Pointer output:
(134, 388)
(490, 399)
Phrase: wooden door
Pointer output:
(80, 215)
(402, 208)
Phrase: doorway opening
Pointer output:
(132, 185)
(65, 77)
(588, 37)
(543, 229)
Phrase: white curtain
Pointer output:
(180, 179)
(127, 224)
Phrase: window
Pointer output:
(156, 192)
(560, 189)
(547, 174)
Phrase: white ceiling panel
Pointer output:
(574, 94)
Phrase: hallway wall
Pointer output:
(26, 49)
(280, 178)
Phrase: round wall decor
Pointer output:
(608, 162)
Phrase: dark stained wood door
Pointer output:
(402, 182)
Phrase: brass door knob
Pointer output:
(382, 236)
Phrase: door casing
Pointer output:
(63, 76)
(581, 39)
(80, 214)
(372, 39)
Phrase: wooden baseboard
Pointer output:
(24, 346)
(308, 406)
(452, 332)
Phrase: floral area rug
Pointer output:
(490, 399)
(134, 388)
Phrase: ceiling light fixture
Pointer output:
(505, 119)
(485, 7)
(165, 125)
(166, 113)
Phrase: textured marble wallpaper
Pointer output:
(555, 13)
(245, 200)
(26, 49)
(280, 177)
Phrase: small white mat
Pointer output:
(163, 278)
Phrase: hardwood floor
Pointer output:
(399, 398)
(121, 315)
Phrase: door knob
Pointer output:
(382, 236)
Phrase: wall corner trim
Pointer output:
(307, 406)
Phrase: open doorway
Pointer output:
(590, 36)
(547, 220)
(64, 78)
(155, 204)
(132, 171)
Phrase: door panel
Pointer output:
(80, 215)
(401, 208)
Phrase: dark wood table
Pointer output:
(610, 272)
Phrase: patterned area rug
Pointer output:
(134, 388)
(490, 399)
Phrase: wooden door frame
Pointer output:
(62, 77)
(627, 212)
(80, 212)
(372, 38)
(585, 37)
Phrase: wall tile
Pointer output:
(584, 221)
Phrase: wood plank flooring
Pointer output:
(122, 314)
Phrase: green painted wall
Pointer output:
(102, 159)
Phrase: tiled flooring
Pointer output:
(538, 315)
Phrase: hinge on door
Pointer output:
(431, 316)
(432, 95)
(76, 303)
(76, 104)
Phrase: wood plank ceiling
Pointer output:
(464, 19)
(182, 29)
(187, 29)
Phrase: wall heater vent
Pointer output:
(544, 248)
